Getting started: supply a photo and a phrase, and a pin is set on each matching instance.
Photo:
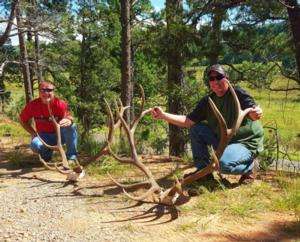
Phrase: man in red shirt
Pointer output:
(37, 110)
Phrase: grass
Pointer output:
(106, 165)
(13, 131)
(280, 194)
(290, 200)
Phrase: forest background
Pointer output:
(104, 49)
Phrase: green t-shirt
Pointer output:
(250, 132)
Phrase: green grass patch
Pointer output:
(12, 132)
(279, 194)
(290, 199)
(106, 165)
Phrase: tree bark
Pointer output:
(24, 56)
(126, 60)
(175, 73)
(216, 36)
(294, 18)
(39, 71)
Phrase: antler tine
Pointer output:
(52, 168)
(121, 109)
(151, 190)
(125, 160)
(52, 147)
(127, 185)
(239, 112)
(142, 112)
(112, 127)
(110, 120)
(224, 132)
(141, 106)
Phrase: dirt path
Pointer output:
(39, 205)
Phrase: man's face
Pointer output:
(46, 91)
(217, 83)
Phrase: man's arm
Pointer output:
(256, 113)
(28, 128)
(67, 119)
(247, 101)
(65, 122)
(178, 120)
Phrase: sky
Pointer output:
(158, 4)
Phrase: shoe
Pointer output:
(250, 176)
(247, 178)
(208, 177)
(193, 192)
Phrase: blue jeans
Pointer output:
(68, 137)
(236, 158)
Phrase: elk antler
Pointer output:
(78, 169)
(104, 149)
(171, 194)
(134, 159)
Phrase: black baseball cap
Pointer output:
(217, 68)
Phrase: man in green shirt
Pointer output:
(238, 156)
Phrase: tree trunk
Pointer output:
(294, 18)
(39, 72)
(31, 59)
(24, 56)
(6, 33)
(216, 35)
(175, 73)
(126, 84)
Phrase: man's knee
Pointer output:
(69, 129)
(36, 145)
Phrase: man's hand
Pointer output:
(65, 122)
(157, 113)
(255, 113)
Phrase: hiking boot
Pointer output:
(208, 177)
(247, 178)
(193, 192)
(250, 176)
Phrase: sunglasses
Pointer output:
(216, 78)
(46, 90)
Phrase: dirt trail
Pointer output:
(39, 205)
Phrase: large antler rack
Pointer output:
(171, 194)
(54, 166)
(134, 158)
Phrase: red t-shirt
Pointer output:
(39, 112)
